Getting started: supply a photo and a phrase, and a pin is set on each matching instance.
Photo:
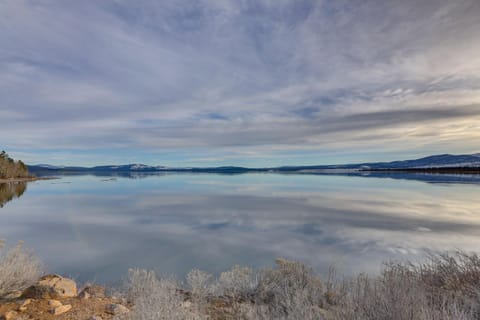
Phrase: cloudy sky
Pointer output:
(239, 82)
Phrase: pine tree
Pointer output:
(9, 168)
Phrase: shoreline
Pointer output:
(27, 179)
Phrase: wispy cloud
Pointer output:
(214, 78)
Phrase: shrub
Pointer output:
(19, 268)
(289, 291)
(155, 298)
(444, 288)
(237, 283)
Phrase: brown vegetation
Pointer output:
(9, 168)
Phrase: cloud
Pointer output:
(221, 75)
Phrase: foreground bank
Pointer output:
(445, 287)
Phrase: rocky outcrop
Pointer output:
(55, 297)
(51, 287)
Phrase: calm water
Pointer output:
(93, 228)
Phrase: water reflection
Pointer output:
(434, 178)
(10, 191)
(95, 230)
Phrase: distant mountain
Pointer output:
(440, 162)
(47, 166)
(437, 161)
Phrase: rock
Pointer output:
(10, 315)
(61, 309)
(95, 318)
(95, 291)
(84, 295)
(23, 306)
(116, 309)
(12, 295)
(54, 303)
(52, 287)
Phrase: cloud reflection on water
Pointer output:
(96, 230)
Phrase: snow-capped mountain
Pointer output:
(437, 161)
(129, 167)
(48, 166)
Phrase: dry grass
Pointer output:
(19, 268)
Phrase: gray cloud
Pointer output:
(216, 74)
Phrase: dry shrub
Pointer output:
(201, 286)
(238, 283)
(289, 291)
(444, 288)
(457, 274)
(19, 268)
(155, 298)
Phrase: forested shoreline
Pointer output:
(12, 169)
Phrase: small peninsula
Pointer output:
(13, 170)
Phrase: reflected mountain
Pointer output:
(427, 177)
(10, 191)
(435, 178)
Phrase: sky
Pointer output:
(241, 82)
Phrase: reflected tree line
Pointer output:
(10, 191)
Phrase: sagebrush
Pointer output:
(446, 287)
(19, 268)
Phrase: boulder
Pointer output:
(10, 315)
(23, 306)
(93, 290)
(61, 309)
(84, 295)
(54, 303)
(12, 295)
(51, 287)
(116, 309)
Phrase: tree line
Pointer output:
(9, 168)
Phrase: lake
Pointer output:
(96, 228)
